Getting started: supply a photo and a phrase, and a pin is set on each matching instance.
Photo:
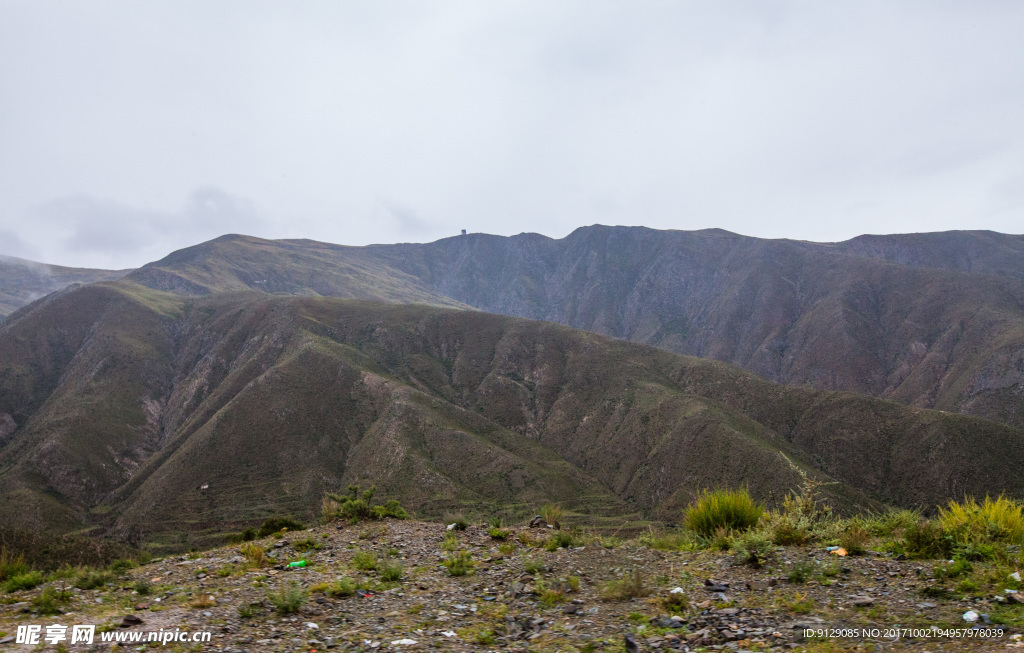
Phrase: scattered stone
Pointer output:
(971, 616)
(130, 620)
(538, 522)
(862, 601)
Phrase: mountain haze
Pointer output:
(22, 282)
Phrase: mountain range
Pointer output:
(241, 378)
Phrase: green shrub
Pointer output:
(498, 533)
(787, 533)
(959, 567)
(559, 540)
(255, 555)
(46, 602)
(390, 571)
(495, 522)
(288, 599)
(121, 564)
(925, 540)
(553, 514)
(714, 509)
(90, 580)
(459, 564)
(24, 581)
(627, 587)
(308, 544)
(533, 566)
(800, 572)
(854, 538)
(391, 509)
(458, 522)
(969, 522)
(143, 587)
(674, 603)
(753, 548)
(887, 523)
(11, 565)
(666, 541)
(364, 560)
(278, 524)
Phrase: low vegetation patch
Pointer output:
(629, 586)
(355, 507)
(288, 599)
(714, 509)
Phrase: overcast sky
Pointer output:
(130, 129)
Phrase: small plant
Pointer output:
(753, 548)
(364, 560)
(353, 508)
(342, 587)
(90, 580)
(1000, 519)
(533, 566)
(495, 522)
(498, 533)
(787, 533)
(629, 586)
(450, 541)
(390, 572)
(11, 565)
(278, 525)
(143, 587)
(666, 541)
(255, 555)
(459, 564)
(203, 601)
(559, 540)
(249, 610)
(674, 602)
(967, 586)
(24, 581)
(799, 603)
(854, 538)
(457, 522)
(959, 567)
(46, 602)
(925, 539)
(506, 548)
(307, 544)
(800, 572)
(722, 540)
(288, 599)
(121, 564)
(551, 597)
(553, 514)
(715, 509)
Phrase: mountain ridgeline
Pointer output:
(160, 417)
(929, 320)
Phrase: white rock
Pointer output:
(312, 626)
(970, 616)
(451, 527)
(676, 590)
(404, 642)
(1015, 576)
(448, 633)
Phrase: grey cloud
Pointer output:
(781, 118)
(109, 231)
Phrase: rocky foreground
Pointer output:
(596, 595)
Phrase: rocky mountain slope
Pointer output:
(155, 415)
(930, 320)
